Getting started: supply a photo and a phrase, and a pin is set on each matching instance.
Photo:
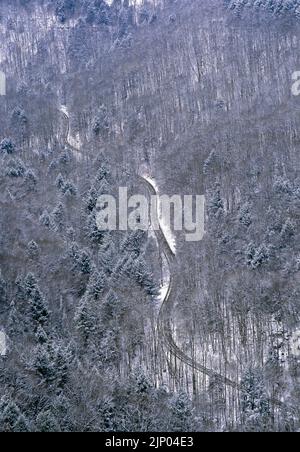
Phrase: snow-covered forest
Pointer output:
(106, 331)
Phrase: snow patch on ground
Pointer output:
(166, 280)
(171, 239)
(2, 57)
(64, 109)
(169, 236)
(2, 343)
(295, 343)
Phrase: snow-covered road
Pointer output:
(169, 236)
(74, 143)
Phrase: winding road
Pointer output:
(168, 303)
(163, 324)
(68, 138)
(164, 327)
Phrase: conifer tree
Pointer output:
(244, 216)
(112, 309)
(107, 254)
(45, 219)
(46, 422)
(41, 335)
(60, 182)
(32, 250)
(69, 189)
(14, 321)
(7, 146)
(255, 406)
(31, 179)
(58, 217)
(182, 416)
(94, 234)
(11, 418)
(91, 199)
(15, 168)
(96, 285)
(51, 362)
(86, 319)
(3, 291)
(215, 203)
(37, 304)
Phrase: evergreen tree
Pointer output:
(137, 268)
(46, 422)
(94, 234)
(41, 335)
(100, 125)
(278, 8)
(69, 189)
(103, 16)
(282, 185)
(70, 233)
(32, 250)
(244, 215)
(37, 304)
(22, 425)
(14, 321)
(74, 254)
(134, 242)
(20, 289)
(257, 256)
(288, 231)
(215, 203)
(84, 263)
(3, 291)
(51, 363)
(108, 415)
(96, 285)
(64, 9)
(102, 175)
(60, 182)
(109, 348)
(58, 217)
(181, 413)
(107, 254)
(210, 163)
(86, 319)
(11, 418)
(7, 146)
(62, 357)
(91, 199)
(43, 364)
(112, 309)
(45, 219)
(144, 16)
(19, 119)
(15, 168)
(31, 179)
(141, 383)
(255, 403)
(64, 159)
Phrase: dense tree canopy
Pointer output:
(196, 94)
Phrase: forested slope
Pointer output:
(199, 93)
